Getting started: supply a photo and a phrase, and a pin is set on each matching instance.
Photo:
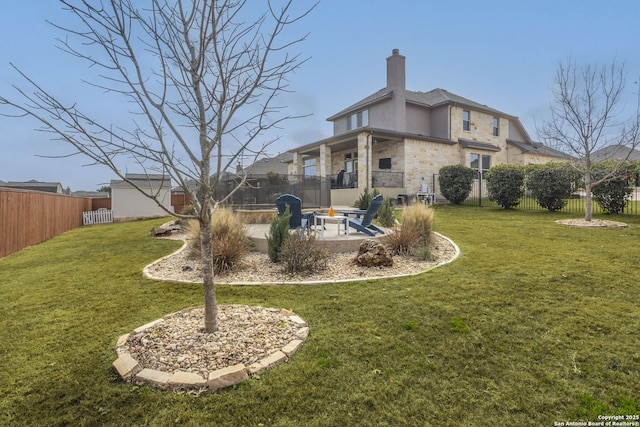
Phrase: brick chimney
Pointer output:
(396, 71)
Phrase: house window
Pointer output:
(358, 120)
(480, 162)
(466, 117)
(384, 163)
(496, 126)
(309, 167)
(351, 162)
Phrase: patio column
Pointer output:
(324, 168)
(297, 163)
(364, 161)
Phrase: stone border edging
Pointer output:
(147, 275)
(130, 369)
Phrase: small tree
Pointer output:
(365, 198)
(585, 121)
(552, 184)
(386, 215)
(200, 79)
(505, 184)
(456, 182)
(278, 233)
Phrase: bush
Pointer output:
(552, 184)
(300, 254)
(365, 198)
(455, 182)
(612, 195)
(386, 215)
(415, 234)
(278, 232)
(505, 184)
(229, 240)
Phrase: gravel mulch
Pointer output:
(594, 223)
(256, 267)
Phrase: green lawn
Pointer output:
(534, 323)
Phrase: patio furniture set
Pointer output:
(359, 220)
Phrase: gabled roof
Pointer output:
(378, 96)
(437, 97)
(431, 99)
(538, 148)
(616, 152)
(48, 187)
(267, 164)
(91, 194)
(154, 181)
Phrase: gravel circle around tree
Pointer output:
(594, 223)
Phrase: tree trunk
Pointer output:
(588, 199)
(210, 306)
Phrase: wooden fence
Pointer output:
(30, 217)
(179, 201)
(100, 203)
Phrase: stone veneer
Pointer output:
(130, 370)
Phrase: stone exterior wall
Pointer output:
(481, 127)
(423, 159)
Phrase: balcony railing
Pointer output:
(344, 180)
(380, 179)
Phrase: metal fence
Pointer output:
(260, 191)
(576, 204)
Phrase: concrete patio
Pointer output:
(331, 237)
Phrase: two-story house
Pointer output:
(397, 140)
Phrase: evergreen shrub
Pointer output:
(455, 182)
(505, 184)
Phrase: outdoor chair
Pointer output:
(297, 219)
(364, 218)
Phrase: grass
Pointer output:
(534, 323)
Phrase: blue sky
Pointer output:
(497, 52)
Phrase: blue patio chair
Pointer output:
(363, 220)
(298, 219)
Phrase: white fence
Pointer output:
(101, 216)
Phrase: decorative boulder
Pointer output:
(166, 229)
(372, 253)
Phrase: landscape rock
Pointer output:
(372, 253)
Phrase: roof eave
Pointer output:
(362, 104)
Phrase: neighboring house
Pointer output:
(397, 140)
(616, 152)
(47, 187)
(278, 164)
(128, 203)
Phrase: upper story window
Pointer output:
(496, 126)
(480, 162)
(358, 120)
(466, 120)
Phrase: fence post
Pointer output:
(479, 187)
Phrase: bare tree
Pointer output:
(585, 119)
(202, 77)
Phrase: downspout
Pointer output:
(369, 144)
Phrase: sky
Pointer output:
(501, 53)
